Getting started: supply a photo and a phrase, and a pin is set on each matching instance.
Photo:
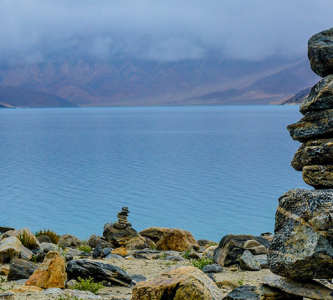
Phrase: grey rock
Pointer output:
(7, 295)
(21, 269)
(44, 239)
(314, 152)
(113, 256)
(69, 241)
(174, 258)
(314, 125)
(95, 240)
(231, 248)
(320, 97)
(146, 254)
(49, 247)
(136, 278)
(302, 246)
(53, 292)
(244, 292)
(10, 248)
(71, 283)
(97, 251)
(320, 52)
(262, 260)
(105, 252)
(76, 252)
(270, 293)
(203, 242)
(213, 268)
(99, 271)
(68, 257)
(248, 262)
(309, 289)
(171, 252)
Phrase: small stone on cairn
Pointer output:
(122, 218)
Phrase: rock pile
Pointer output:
(302, 246)
(122, 218)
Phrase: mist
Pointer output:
(39, 31)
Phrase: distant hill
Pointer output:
(20, 97)
(295, 99)
(135, 82)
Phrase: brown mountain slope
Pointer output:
(298, 98)
(21, 97)
(206, 81)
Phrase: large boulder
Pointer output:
(154, 233)
(69, 241)
(320, 97)
(314, 152)
(21, 269)
(314, 125)
(51, 273)
(95, 240)
(320, 52)
(98, 271)
(26, 233)
(231, 248)
(309, 289)
(302, 246)
(320, 177)
(11, 248)
(177, 240)
(126, 236)
(180, 283)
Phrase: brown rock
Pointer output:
(31, 236)
(320, 177)
(227, 284)
(177, 240)
(4, 271)
(154, 233)
(120, 251)
(69, 241)
(177, 284)
(25, 289)
(51, 273)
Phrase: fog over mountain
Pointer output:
(170, 47)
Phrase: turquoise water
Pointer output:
(209, 170)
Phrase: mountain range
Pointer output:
(210, 81)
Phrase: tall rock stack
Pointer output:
(302, 247)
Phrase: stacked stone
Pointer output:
(302, 246)
(122, 218)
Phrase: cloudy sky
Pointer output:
(160, 30)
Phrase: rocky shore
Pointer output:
(167, 263)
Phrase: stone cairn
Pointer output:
(122, 218)
(302, 247)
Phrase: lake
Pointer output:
(211, 170)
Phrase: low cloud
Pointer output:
(165, 30)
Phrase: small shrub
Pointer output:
(88, 285)
(67, 297)
(51, 234)
(84, 247)
(152, 246)
(186, 254)
(213, 244)
(27, 241)
(200, 263)
(241, 281)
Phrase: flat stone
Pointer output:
(21, 269)
(309, 288)
(213, 268)
(302, 246)
(320, 177)
(314, 152)
(320, 52)
(320, 97)
(179, 283)
(244, 292)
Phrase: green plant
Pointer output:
(200, 263)
(241, 281)
(186, 254)
(34, 258)
(67, 297)
(88, 285)
(2, 280)
(152, 246)
(84, 247)
(213, 244)
(162, 256)
(4, 290)
(51, 234)
(27, 241)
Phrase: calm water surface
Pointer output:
(209, 170)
